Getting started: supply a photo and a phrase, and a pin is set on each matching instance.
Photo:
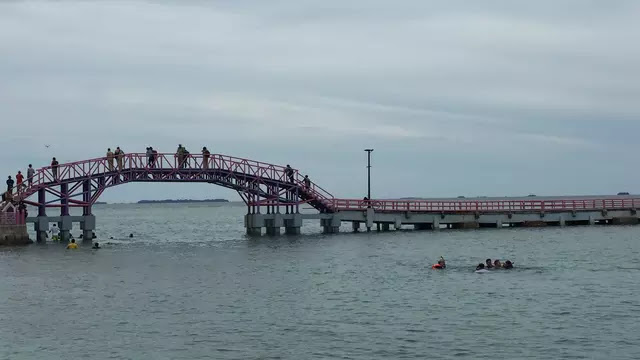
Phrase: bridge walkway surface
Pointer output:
(274, 195)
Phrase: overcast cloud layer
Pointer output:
(457, 97)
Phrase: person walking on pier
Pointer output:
(205, 157)
(30, 174)
(110, 159)
(19, 181)
(54, 168)
(9, 184)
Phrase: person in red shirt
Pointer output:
(19, 179)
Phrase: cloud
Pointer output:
(437, 87)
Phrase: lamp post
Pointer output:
(369, 151)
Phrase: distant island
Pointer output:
(179, 201)
(100, 203)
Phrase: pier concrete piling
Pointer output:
(66, 225)
(88, 225)
(330, 222)
(41, 227)
(293, 225)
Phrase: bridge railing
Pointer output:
(485, 205)
(91, 168)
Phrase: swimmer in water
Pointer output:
(130, 235)
(96, 246)
(72, 245)
(489, 265)
(508, 264)
(440, 265)
(497, 264)
(480, 268)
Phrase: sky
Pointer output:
(473, 98)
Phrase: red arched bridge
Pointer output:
(266, 189)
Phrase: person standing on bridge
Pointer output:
(307, 182)
(154, 157)
(30, 174)
(205, 158)
(119, 158)
(54, 168)
(110, 159)
(185, 157)
(180, 156)
(9, 184)
(289, 172)
(19, 180)
(149, 157)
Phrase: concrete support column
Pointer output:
(292, 226)
(421, 226)
(41, 227)
(592, 220)
(370, 214)
(331, 225)
(398, 224)
(499, 224)
(42, 199)
(88, 225)
(435, 225)
(64, 201)
(254, 224)
(273, 230)
(65, 225)
(355, 225)
(561, 221)
(274, 224)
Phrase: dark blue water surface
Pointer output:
(190, 285)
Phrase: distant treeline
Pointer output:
(181, 201)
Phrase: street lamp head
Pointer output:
(368, 150)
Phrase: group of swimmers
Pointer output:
(495, 265)
(73, 245)
(442, 264)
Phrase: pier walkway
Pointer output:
(274, 196)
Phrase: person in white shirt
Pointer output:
(55, 233)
